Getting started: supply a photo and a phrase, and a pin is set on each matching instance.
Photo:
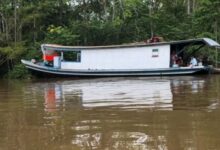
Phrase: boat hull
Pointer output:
(51, 71)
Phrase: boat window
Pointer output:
(74, 56)
(155, 52)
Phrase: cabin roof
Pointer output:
(182, 43)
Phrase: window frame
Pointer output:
(76, 60)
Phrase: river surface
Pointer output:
(168, 113)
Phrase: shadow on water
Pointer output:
(113, 113)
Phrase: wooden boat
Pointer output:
(140, 59)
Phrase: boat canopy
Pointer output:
(181, 43)
(203, 41)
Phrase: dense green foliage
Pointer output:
(24, 24)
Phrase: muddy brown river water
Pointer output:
(168, 113)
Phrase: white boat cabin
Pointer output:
(121, 57)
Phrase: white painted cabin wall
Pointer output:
(120, 58)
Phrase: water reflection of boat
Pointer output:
(120, 93)
(126, 93)
(52, 97)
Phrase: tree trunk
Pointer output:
(15, 22)
(6, 31)
(122, 8)
(151, 22)
(216, 38)
(113, 10)
(2, 23)
(34, 30)
(188, 7)
(194, 5)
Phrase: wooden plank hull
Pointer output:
(51, 71)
